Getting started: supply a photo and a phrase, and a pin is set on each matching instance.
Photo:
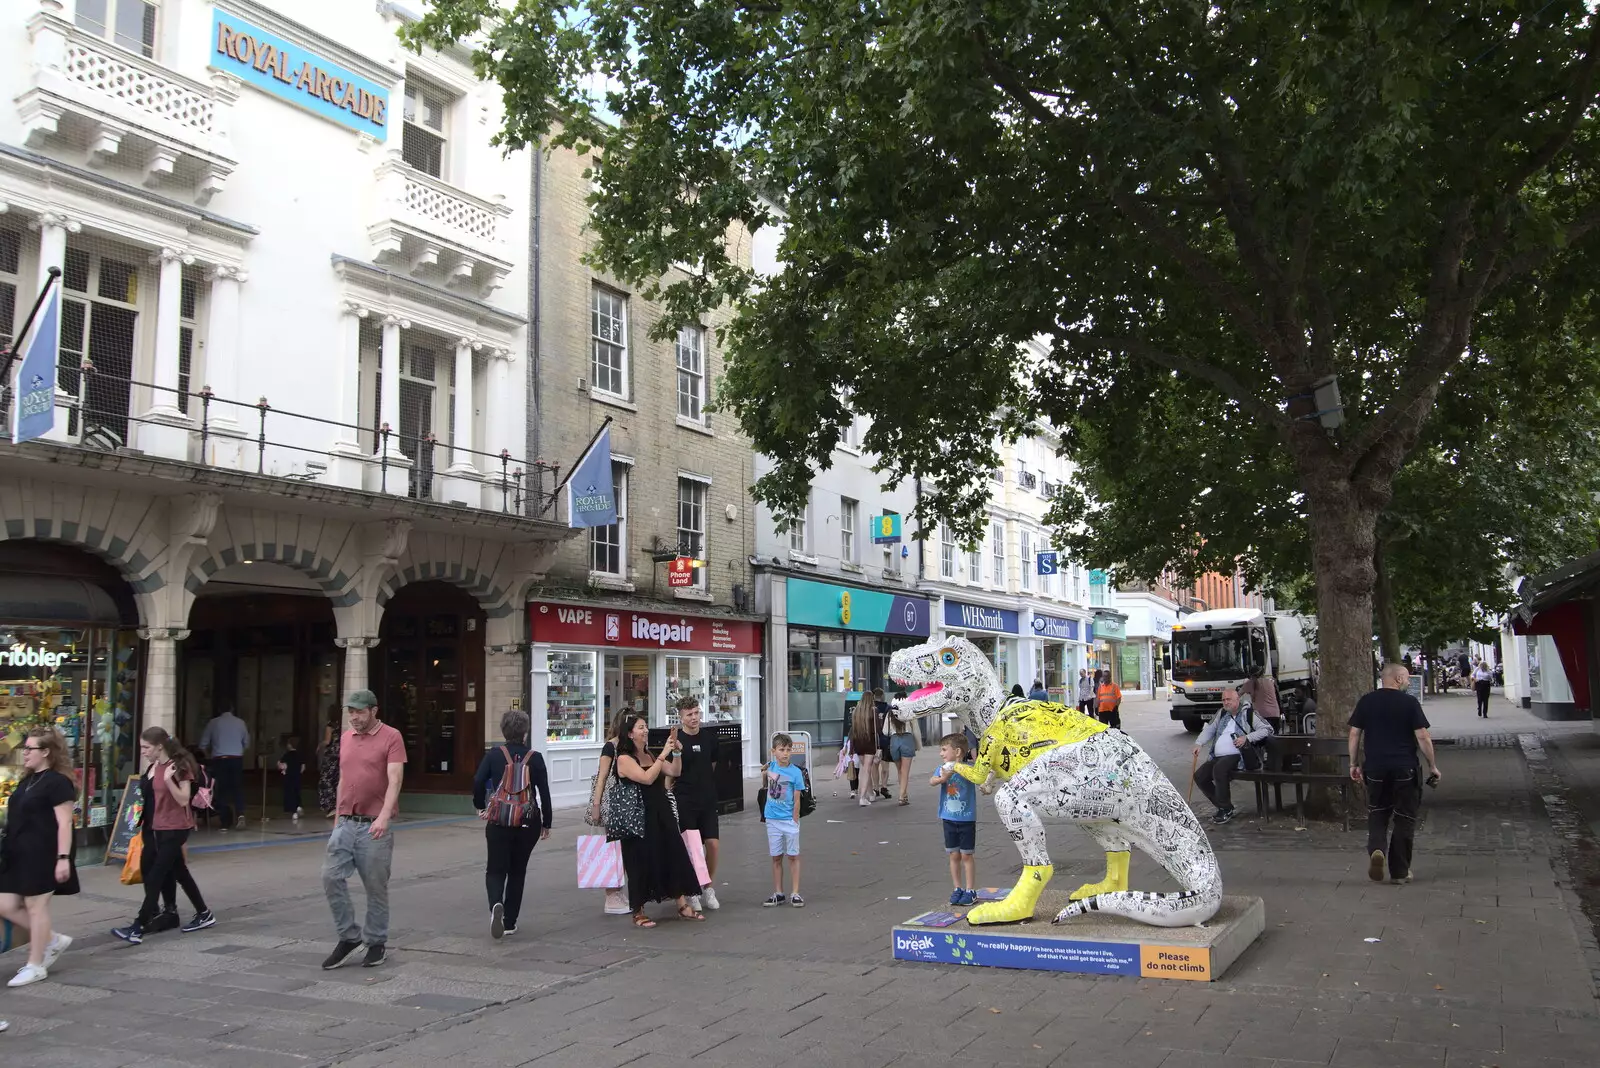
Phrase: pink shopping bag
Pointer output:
(599, 862)
(697, 856)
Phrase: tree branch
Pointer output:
(1229, 385)
(1582, 96)
(1577, 230)
(1007, 79)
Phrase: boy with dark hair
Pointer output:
(785, 784)
(958, 810)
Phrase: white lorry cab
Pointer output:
(1226, 646)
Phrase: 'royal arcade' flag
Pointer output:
(33, 408)
(591, 497)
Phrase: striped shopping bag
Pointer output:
(599, 862)
(697, 856)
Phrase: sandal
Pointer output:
(641, 920)
(688, 913)
(905, 800)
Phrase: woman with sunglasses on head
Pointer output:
(169, 783)
(656, 863)
(37, 851)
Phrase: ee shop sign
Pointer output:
(28, 656)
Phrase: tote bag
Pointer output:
(599, 862)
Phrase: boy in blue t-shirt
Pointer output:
(785, 783)
(958, 808)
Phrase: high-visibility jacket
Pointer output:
(1108, 696)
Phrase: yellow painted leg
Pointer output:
(1019, 904)
(1116, 878)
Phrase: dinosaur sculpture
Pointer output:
(1054, 760)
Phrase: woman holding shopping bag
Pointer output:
(653, 853)
(170, 774)
(36, 853)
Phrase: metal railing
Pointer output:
(100, 416)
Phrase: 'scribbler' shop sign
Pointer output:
(287, 71)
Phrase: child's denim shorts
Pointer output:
(960, 836)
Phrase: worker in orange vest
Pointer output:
(1108, 702)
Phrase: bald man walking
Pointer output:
(1394, 728)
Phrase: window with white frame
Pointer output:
(974, 566)
(10, 281)
(131, 24)
(850, 433)
(1025, 550)
(800, 531)
(692, 522)
(690, 348)
(608, 546)
(997, 553)
(188, 320)
(947, 553)
(848, 512)
(608, 331)
(424, 129)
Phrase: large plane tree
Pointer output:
(1207, 209)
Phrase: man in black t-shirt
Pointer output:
(1395, 728)
(696, 789)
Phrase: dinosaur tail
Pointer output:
(1184, 908)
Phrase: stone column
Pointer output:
(463, 460)
(164, 430)
(347, 462)
(503, 689)
(224, 431)
(499, 433)
(355, 666)
(53, 230)
(160, 705)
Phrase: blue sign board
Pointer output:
(289, 72)
(1016, 951)
(886, 529)
(1047, 564)
(979, 617)
(822, 604)
(1055, 627)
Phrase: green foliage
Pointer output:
(1202, 209)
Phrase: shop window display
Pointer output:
(84, 683)
(686, 677)
(727, 692)
(573, 698)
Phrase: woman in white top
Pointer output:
(1482, 680)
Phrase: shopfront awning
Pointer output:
(47, 599)
(1558, 604)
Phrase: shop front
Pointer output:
(591, 662)
(1109, 641)
(994, 631)
(840, 639)
(1060, 645)
(70, 657)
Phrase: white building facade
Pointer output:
(292, 389)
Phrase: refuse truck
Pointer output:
(1224, 647)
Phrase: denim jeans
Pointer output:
(351, 848)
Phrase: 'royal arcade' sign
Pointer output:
(289, 72)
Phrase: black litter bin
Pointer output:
(730, 768)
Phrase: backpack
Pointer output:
(513, 796)
(201, 788)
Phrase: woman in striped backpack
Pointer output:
(503, 793)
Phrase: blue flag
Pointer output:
(591, 496)
(33, 406)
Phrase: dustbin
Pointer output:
(729, 775)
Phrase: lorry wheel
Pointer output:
(1193, 724)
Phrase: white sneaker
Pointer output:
(616, 904)
(709, 894)
(59, 944)
(695, 903)
(28, 973)
(240, 825)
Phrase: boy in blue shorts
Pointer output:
(958, 809)
(785, 783)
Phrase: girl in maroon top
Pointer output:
(169, 780)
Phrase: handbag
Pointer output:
(599, 862)
(132, 871)
(625, 817)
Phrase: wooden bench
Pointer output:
(1288, 763)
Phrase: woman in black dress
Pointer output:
(37, 852)
(657, 865)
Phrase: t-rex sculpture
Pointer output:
(1057, 761)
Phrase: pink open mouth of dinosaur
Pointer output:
(926, 691)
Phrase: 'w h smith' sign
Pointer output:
(291, 73)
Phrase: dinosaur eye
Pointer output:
(949, 657)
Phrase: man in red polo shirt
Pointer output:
(372, 760)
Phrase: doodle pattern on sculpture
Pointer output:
(1055, 761)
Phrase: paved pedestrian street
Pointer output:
(1484, 960)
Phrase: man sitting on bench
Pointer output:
(1228, 741)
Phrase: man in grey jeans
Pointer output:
(372, 761)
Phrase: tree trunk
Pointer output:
(1342, 544)
(1384, 611)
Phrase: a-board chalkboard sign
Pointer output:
(129, 815)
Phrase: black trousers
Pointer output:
(229, 799)
(507, 870)
(291, 794)
(1483, 697)
(1215, 778)
(1111, 717)
(161, 865)
(1393, 800)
